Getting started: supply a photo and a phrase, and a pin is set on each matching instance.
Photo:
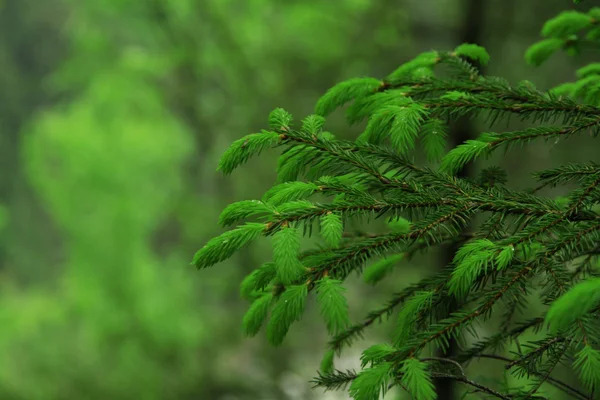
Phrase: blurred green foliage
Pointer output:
(142, 96)
(107, 167)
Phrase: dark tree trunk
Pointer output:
(461, 131)
(23, 24)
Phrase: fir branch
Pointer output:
(494, 341)
(340, 380)
(339, 153)
(526, 110)
(347, 259)
(334, 381)
(526, 136)
(460, 319)
(537, 353)
(553, 362)
(525, 235)
(476, 385)
(567, 173)
(555, 382)
(506, 98)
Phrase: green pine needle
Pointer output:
(587, 89)
(462, 154)
(292, 163)
(344, 92)
(302, 206)
(574, 304)
(399, 225)
(313, 124)
(332, 228)
(380, 269)
(327, 364)
(505, 257)
(539, 52)
(593, 34)
(248, 285)
(280, 120)
(286, 249)
(405, 126)
(376, 353)
(417, 380)
(590, 69)
(433, 136)
(594, 12)
(287, 310)
(256, 314)
(470, 260)
(473, 52)
(371, 382)
(400, 123)
(242, 149)
(408, 315)
(334, 308)
(377, 127)
(565, 24)
(405, 72)
(224, 246)
(587, 362)
(365, 106)
(257, 280)
(456, 95)
(289, 191)
(243, 209)
(564, 89)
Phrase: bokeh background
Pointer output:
(113, 115)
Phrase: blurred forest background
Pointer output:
(113, 115)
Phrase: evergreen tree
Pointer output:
(527, 244)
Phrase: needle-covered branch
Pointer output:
(519, 242)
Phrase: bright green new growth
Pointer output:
(575, 304)
(542, 50)
(567, 23)
(344, 92)
(474, 52)
(254, 283)
(242, 149)
(408, 315)
(434, 139)
(376, 354)
(289, 191)
(416, 379)
(334, 309)
(474, 258)
(378, 270)
(287, 310)
(222, 247)
(371, 382)
(528, 244)
(587, 361)
(257, 313)
(332, 229)
(327, 362)
(243, 209)
(286, 247)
